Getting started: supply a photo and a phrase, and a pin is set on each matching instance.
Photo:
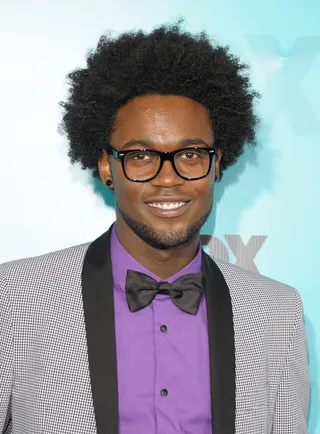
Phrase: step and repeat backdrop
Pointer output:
(267, 208)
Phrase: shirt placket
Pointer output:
(163, 391)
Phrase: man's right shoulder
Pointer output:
(43, 266)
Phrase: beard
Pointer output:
(165, 239)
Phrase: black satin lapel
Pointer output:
(97, 290)
(221, 348)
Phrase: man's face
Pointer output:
(166, 122)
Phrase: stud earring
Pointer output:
(108, 182)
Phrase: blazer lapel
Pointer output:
(98, 304)
(221, 348)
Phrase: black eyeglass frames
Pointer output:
(141, 165)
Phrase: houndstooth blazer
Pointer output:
(58, 371)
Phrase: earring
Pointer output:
(216, 178)
(108, 182)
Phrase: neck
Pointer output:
(163, 263)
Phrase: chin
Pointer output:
(170, 226)
(161, 232)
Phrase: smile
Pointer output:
(167, 205)
(168, 209)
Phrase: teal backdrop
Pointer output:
(267, 211)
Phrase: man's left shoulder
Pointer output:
(255, 289)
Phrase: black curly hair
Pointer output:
(167, 61)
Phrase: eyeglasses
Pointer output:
(141, 165)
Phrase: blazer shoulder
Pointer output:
(257, 286)
(42, 265)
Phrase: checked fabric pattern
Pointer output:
(44, 371)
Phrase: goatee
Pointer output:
(167, 239)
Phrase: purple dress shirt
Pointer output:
(162, 358)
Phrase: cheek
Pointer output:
(121, 184)
(204, 190)
(127, 193)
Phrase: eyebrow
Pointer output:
(147, 143)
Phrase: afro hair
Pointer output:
(167, 61)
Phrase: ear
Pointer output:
(104, 168)
(217, 163)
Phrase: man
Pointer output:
(140, 331)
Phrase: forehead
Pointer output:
(164, 119)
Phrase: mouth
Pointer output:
(168, 209)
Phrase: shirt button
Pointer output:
(164, 328)
(164, 392)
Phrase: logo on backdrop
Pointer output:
(244, 253)
(287, 71)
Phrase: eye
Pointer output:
(194, 156)
(140, 157)
(189, 155)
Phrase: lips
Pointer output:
(168, 207)
(167, 199)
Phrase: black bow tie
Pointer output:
(186, 292)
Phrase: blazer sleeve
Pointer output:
(292, 401)
(6, 358)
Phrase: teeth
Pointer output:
(167, 205)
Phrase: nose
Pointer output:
(167, 177)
